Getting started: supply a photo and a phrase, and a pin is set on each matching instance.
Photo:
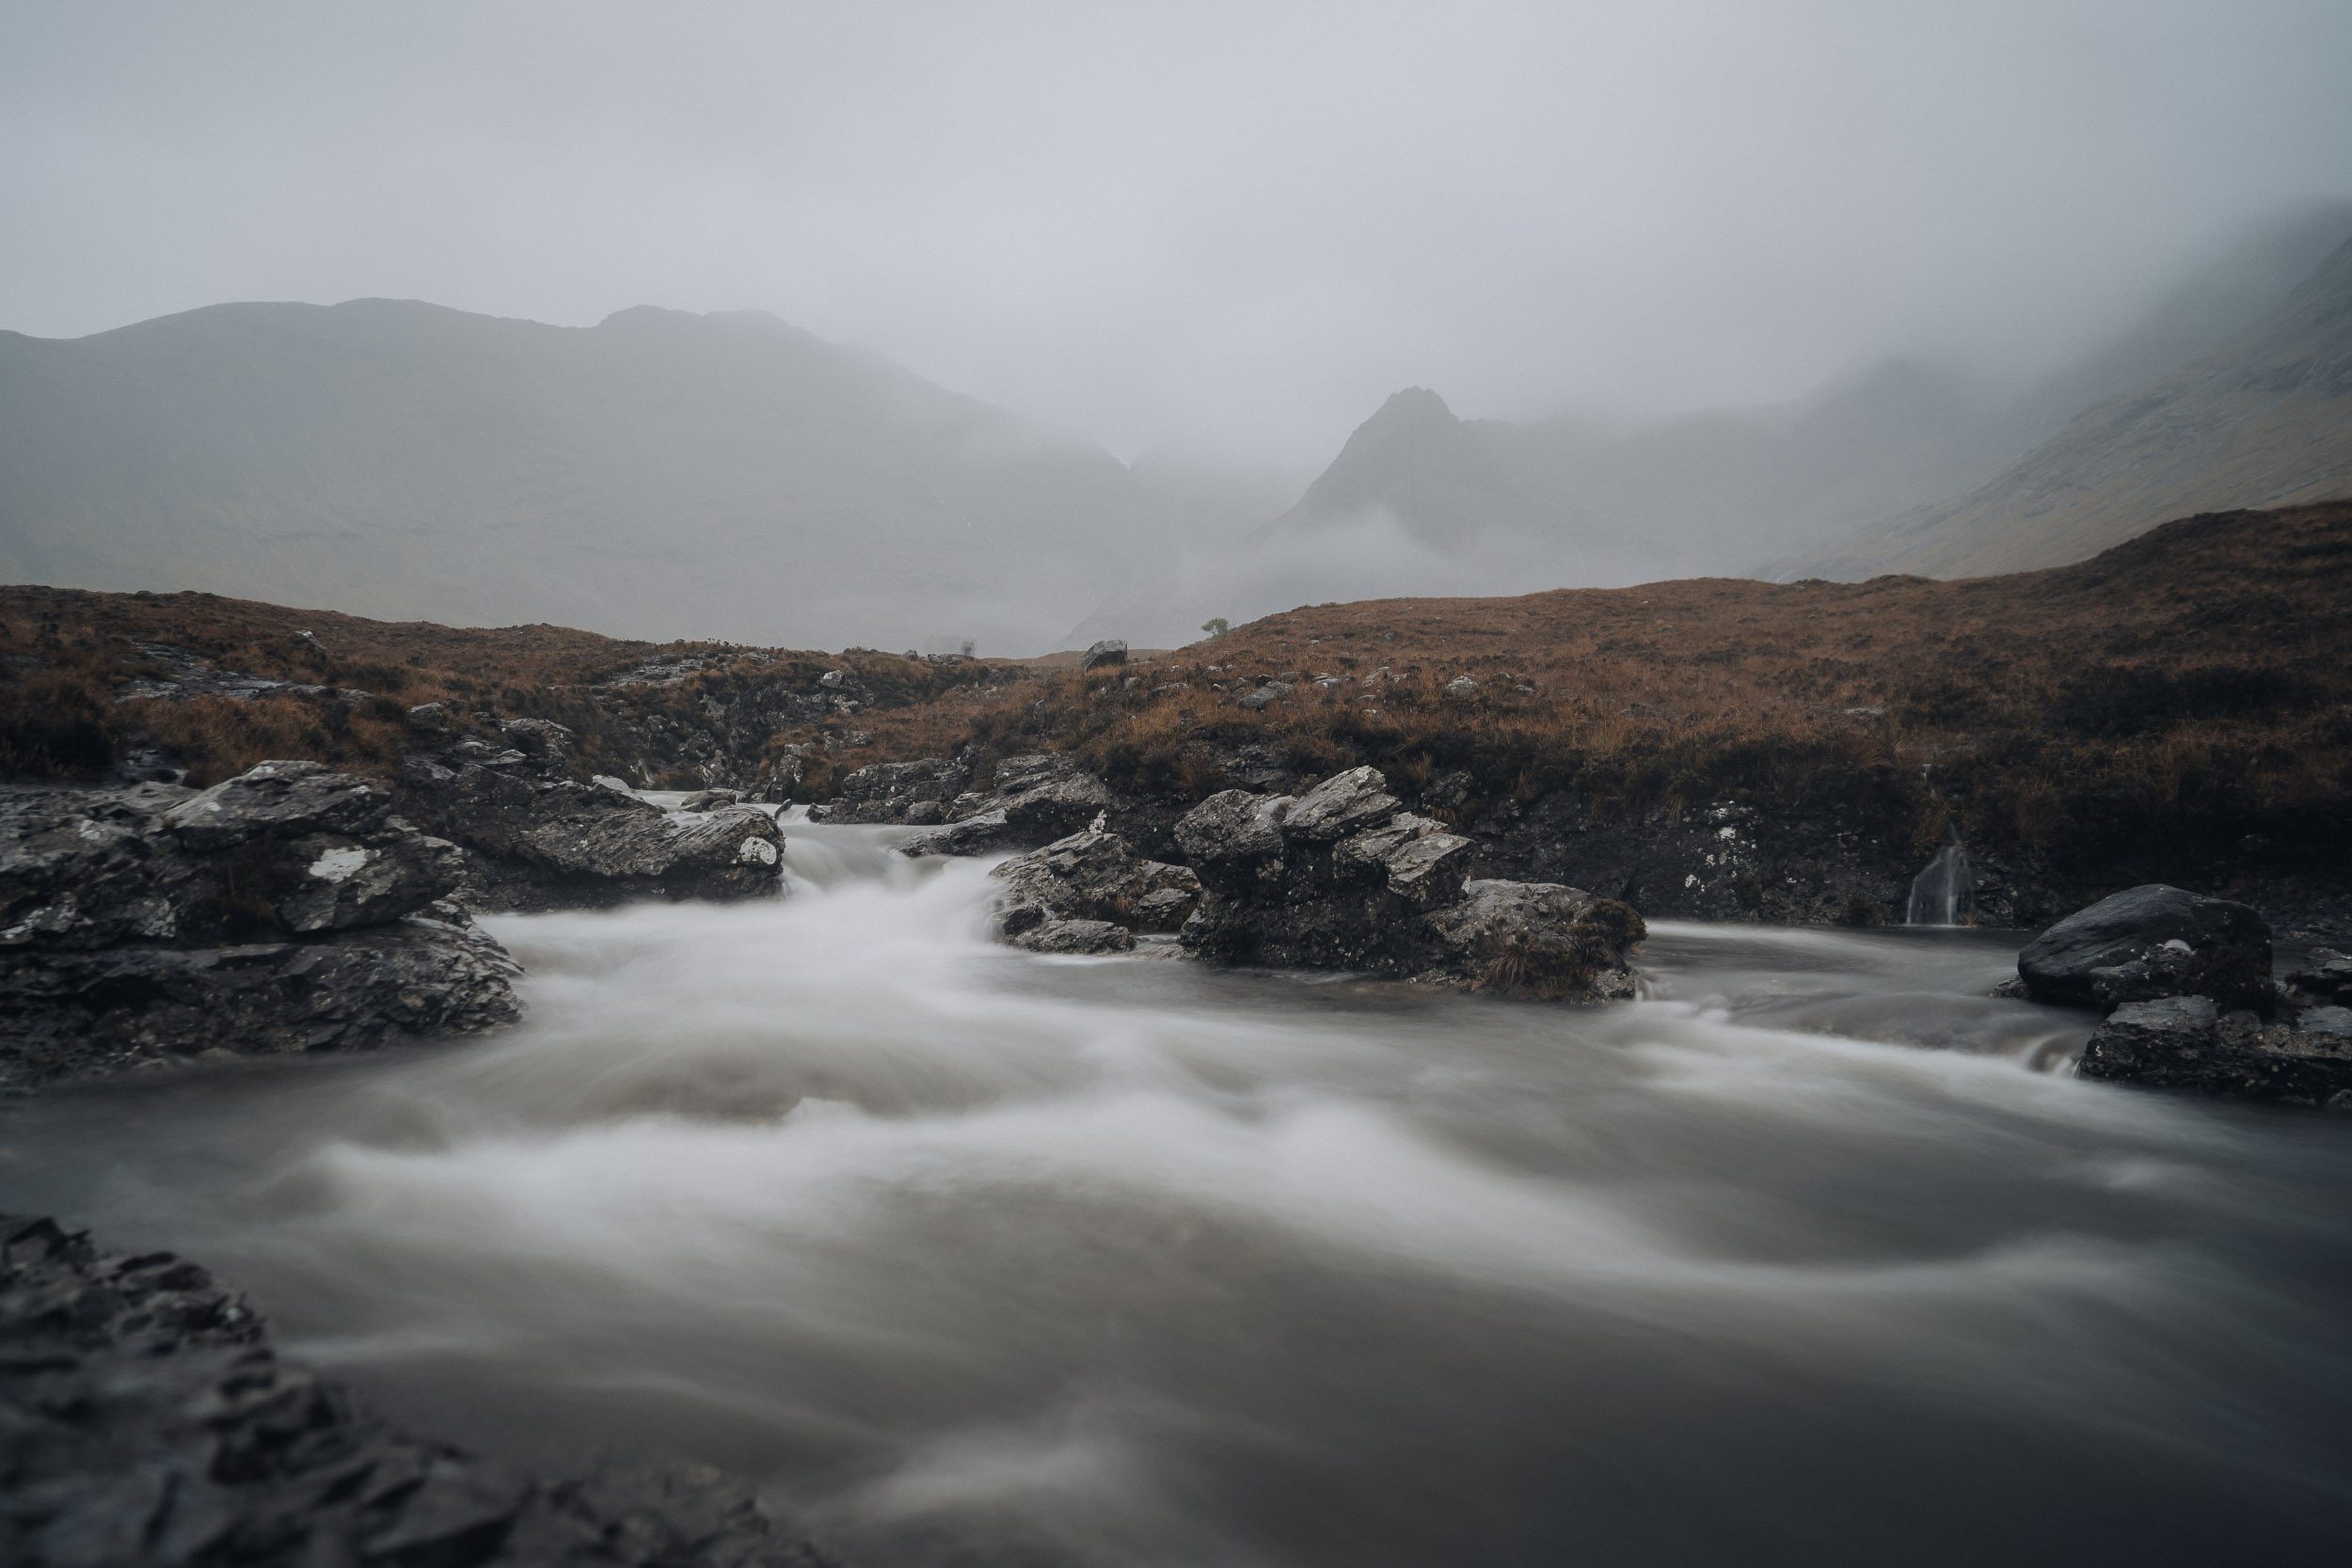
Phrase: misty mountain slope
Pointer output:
(656, 473)
(2264, 421)
(1571, 499)
(1567, 502)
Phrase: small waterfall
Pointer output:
(1943, 893)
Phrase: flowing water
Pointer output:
(1941, 892)
(1818, 1254)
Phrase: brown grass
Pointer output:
(2193, 685)
(64, 654)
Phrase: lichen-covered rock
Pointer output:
(973, 835)
(277, 799)
(1234, 827)
(1340, 805)
(1090, 879)
(1032, 800)
(1339, 878)
(283, 910)
(2187, 1042)
(1045, 796)
(285, 849)
(887, 791)
(1539, 938)
(2152, 941)
(553, 842)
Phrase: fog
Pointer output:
(1222, 231)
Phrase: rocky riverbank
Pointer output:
(145, 1419)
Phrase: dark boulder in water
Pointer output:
(2187, 1042)
(2152, 941)
(286, 909)
(1342, 878)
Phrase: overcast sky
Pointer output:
(1225, 230)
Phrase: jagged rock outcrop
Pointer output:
(1343, 878)
(2187, 1042)
(1091, 892)
(540, 840)
(2324, 976)
(919, 792)
(1034, 800)
(287, 909)
(144, 1419)
(2152, 941)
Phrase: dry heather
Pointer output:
(66, 655)
(2189, 688)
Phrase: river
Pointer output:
(1815, 1254)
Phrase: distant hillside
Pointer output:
(659, 473)
(1488, 505)
(2263, 420)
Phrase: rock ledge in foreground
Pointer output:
(145, 1419)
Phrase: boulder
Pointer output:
(1090, 878)
(2152, 941)
(284, 849)
(887, 791)
(1045, 796)
(1266, 695)
(1340, 805)
(973, 835)
(1075, 936)
(710, 799)
(1539, 938)
(1234, 827)
(2187, 1042)
(283, 910)
(2325, 975)
(1414, 857)
(1341, 877)
(276, 798)
(549, 842)
(1108, 652)
(1036, 799)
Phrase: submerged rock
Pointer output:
(283, 910)
(2152, 941)
(144, 1419)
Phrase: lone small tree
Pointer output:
(1216, 625)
